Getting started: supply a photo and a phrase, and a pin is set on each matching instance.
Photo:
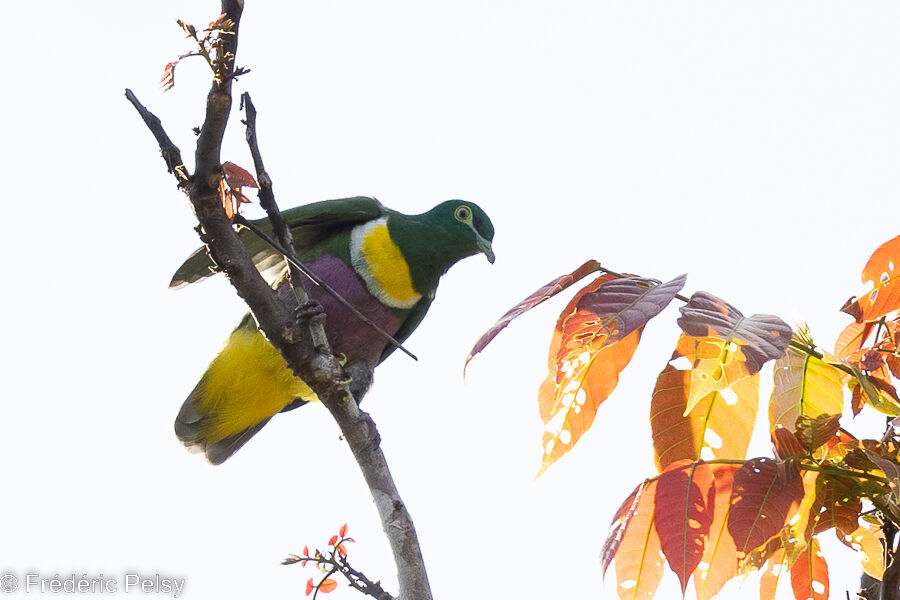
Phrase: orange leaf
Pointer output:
(852, 338)
(343, 530)
(634, 544)
(719, 427)
(768, 584)
(720, 556)
(333, 540)
(327, 586)
(685, 500)
(867, 540)
(809, 574)
(763, 494)
(569, 406)
(544, 293)
(310, 586)
(882, 271)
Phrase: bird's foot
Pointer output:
(308, 312)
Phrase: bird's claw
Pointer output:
(310, 311)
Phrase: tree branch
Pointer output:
(274, 313)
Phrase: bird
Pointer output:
(385, 263)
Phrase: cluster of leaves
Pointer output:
(711, 512)
(334, 561)
(210, 46)
(329, 562)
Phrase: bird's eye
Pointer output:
(463, 213)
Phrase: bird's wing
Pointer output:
(310, 225)
(409, 325)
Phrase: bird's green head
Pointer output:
(467, 227)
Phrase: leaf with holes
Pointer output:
(719, 427)
(809, 574)
(867, 541)
(882, 271)
(544, 293)
(569, 407)
(804, 385)
(763, 494)
(723, 345)
(685, 500)
(719, 561)
(634, 544)
(595, 338)
(768, 583)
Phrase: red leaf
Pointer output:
(310, 586)
(327, 586)
(685, 499)
(883, 270)
(786, 443)
(816, 432)
(544, 293)
(238, 177)
(333, 540)
(305, 551)
(851, 307)
(809, 574)
(763, 494)
(343, 530)
(167, 81)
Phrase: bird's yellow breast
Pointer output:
(381, 264)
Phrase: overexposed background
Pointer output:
(755, 146)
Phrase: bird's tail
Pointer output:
(243, 387)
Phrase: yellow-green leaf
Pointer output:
(804, 385)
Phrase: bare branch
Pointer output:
(170, 152)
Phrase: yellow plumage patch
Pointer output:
(246, 383)
(381, 263)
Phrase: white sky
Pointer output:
(755, 146)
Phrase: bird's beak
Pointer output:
(485, 247)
